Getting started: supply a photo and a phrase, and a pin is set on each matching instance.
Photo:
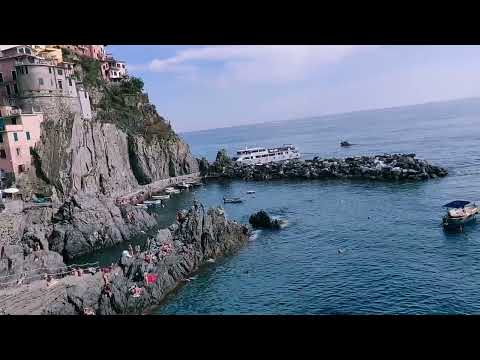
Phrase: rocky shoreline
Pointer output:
(139, 281)
(387, 167)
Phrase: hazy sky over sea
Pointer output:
(201, 87)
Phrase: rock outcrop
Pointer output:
(261, 220)
(389, 167)
(198, 236)
(84, 165)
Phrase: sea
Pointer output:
(349, 247)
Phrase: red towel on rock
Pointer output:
(151, 278)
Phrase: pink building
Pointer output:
(18, 135)
(96, 52)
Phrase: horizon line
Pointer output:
(332, 114)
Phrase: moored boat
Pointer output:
(171, 190)
(261, 155)
(235, 200)
(183, 185)
(459, 214)
(161, 197)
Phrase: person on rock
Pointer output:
(51, 281)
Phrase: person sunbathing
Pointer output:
(88, 311)
(51, 281)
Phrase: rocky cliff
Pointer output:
(85, 164)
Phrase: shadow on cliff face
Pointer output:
(137, 170)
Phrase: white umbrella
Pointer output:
(11, 191)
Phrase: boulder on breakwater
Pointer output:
(388, 167)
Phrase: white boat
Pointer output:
(260, 155)
(143, 206)
(161, 197)
(183, 185)
(153, 202)
(251, 192)
(171, 190)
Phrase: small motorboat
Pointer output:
(459, 214)
(143, 206)
(153, 202)
(232, 200)
(183, 185)
(161, 197)
(195, 184)
(345, 144)
(171, 190)
(251, 192)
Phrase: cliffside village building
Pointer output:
(35, 82)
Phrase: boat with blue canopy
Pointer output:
(459, 214)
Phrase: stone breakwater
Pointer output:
(138, 282)
(388, 167)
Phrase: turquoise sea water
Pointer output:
(396, 257)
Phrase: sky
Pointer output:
(202, 87)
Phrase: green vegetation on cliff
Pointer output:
(125, 105)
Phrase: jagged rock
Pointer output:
(203, 235)
(262, 220)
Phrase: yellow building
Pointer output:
(49, 52)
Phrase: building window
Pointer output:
(49, 70)
(26, 70)
(18, 151)
(14, 75)
(21, 50)
(15, 88)
(3, 154)
(28, 51)
(70, 82)
(60, 85)
(21, 168)
(9, 92)
(1, 77)
(40, 81)
(1, 138)
(14, 121)
(15, 136)
(60, 72)
(28, 135)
